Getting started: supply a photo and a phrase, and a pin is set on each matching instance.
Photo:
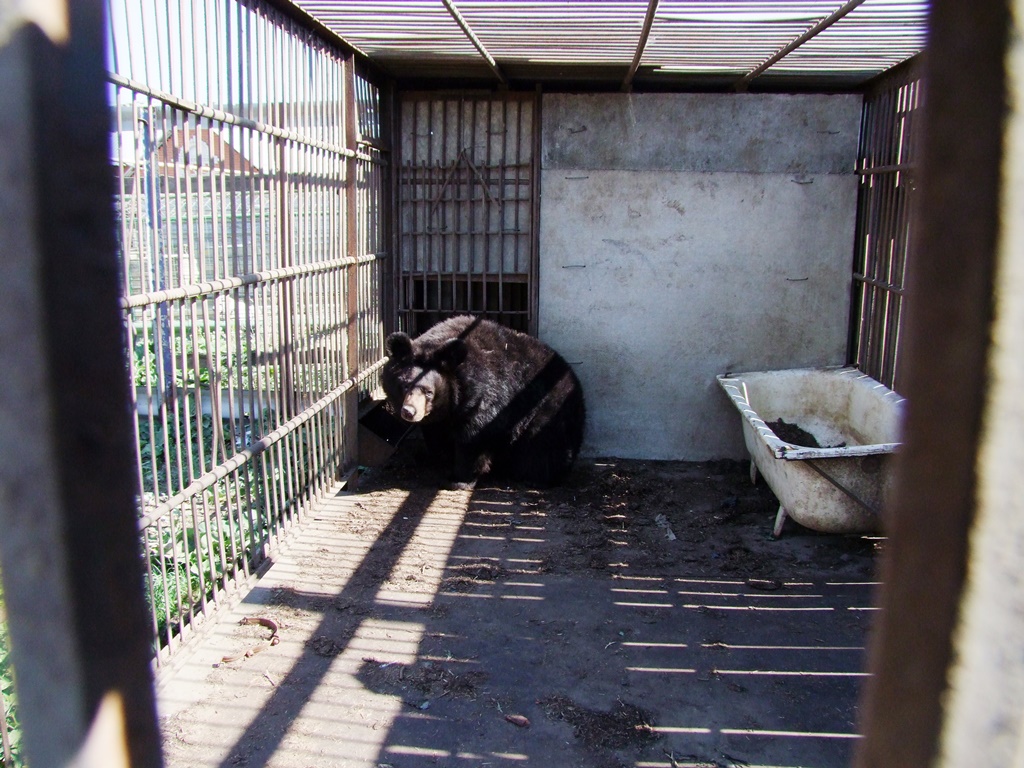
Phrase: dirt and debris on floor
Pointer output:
(640, 615)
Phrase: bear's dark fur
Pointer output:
(489, 400)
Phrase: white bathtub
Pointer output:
(839, 487)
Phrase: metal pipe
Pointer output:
(450, 5)
(819, 27)
(226, 284)
(221, 116)
(652, 9)
(869, 507)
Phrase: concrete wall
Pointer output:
(682, 236)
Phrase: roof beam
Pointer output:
(821, 26)
(652, 9)
(450, 5)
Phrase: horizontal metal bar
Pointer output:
(239, 459)
(885, 169)
(226, 117)
(373, 143)
(897, 289)
(227, 283)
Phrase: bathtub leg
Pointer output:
(753, 472)
(780, 519)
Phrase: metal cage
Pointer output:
(467, 209)
(885, 165)
(251, 175)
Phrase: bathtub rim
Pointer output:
(734, 385)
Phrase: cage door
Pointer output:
(467, 192)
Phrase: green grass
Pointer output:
(10, 702)
(192, 553)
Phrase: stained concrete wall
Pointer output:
(682, 236)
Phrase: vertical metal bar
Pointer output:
(246, 344)
(387, 217)
(160, 538)
(907, 231)
(391, 215)
(404, 135)
(877, 240)
(535, 215)
(443, 209)
(523, 198)
(469, 235)
(403, 172)
(895, 252)
(855, 338)
(460, 188)
(881, 229)
(487, 209)
(430, 163)
(351, 410)
(516, 181)
(500, 213)
(276, 308)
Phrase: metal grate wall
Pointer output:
(886, 169)
(467, 209)
(251, 184)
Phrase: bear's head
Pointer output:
(419, 383)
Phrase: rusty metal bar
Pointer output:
(886, 157)
(534, 242)
(467, 30)
(502, 164)
(221, 116)
(465, 162)
(814, 31)
(485, 210)
(645, 32)
(351, 247)
(894, 168)
(889, 287)
(884, 247)
(226, 284)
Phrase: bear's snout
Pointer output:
(415, 406)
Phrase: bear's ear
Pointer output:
(450, 356)
(399, 346)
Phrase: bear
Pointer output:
(490, 400)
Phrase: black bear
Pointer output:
(489, 400)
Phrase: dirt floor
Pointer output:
(639, 616)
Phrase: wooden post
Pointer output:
(69, 543)
(950, 309)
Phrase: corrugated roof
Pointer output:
(690, 42)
